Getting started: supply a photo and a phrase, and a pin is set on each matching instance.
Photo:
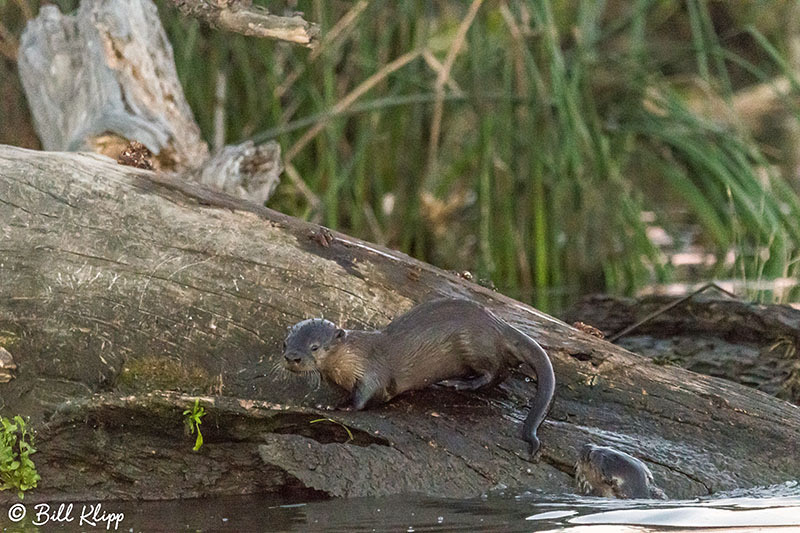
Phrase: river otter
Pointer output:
(604, 471)
(456, 343)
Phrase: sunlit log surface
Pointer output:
(120, 284)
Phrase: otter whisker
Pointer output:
(313, 377)
(280, 372)
(275, 369)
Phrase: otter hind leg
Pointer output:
(482, 380)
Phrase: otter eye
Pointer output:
(314, 347)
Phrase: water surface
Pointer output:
(775, 508)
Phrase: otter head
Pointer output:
(308, 344)
(604, 471)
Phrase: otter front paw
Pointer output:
(345, 405)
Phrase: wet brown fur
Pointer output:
(457, 343)
(344, 365)
(609, 473)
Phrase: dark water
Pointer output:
(775, 508)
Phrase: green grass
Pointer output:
(562, 124)
(17, 471)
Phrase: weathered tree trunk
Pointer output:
(107, 71)
(105, 76)
(121, 284)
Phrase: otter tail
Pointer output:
(528, 351)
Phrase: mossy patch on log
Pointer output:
(8, 339)
(150, 372)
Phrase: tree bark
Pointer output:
(127, 293)
(752, 344)
(105, 76)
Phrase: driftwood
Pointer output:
(752, 344)
(127, 293)
(105, 76)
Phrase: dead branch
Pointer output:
(241, 17)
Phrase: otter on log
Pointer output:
(610, 473)
(456, 343)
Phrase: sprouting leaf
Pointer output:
(192, 419)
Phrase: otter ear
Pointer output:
(339, 333)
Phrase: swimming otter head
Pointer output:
(308, 343)
(604, 471)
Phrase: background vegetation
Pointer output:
(554, 148)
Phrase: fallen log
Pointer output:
(752, 344)
(128, 293)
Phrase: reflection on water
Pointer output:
(681, 516)
(765, 508)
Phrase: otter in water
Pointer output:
(456, 343)
(604, 471)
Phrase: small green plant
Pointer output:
(193, 418)
(17, 470)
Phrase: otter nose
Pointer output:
(292, 357)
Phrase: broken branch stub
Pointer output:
(255, 21)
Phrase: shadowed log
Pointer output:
(748, 343)
(120, 284)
